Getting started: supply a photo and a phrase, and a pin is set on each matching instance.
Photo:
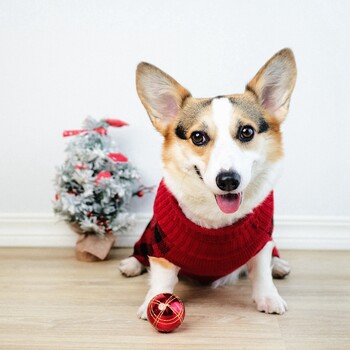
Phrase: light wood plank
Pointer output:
(48, 300)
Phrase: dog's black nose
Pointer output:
(228, 180)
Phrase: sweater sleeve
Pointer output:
(143, 247)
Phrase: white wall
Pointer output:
(63, 60)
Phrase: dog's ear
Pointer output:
(274, 84)
(161, 95)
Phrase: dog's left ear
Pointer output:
(161, 95)
(274, 83)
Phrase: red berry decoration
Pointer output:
(165, 312)
(103, 175)
(118, 157)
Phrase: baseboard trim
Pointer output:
(291, 232)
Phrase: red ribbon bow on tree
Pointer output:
(102, 131)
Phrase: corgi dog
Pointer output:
(213, 213)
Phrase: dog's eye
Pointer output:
(200, 138)
(246, 133)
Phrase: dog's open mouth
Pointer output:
(229, 203)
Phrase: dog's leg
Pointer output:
(163, 278)
(265, 294)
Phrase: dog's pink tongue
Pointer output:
(228, 203)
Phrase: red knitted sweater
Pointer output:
(203, 254)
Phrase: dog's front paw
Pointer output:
(131, 267)
(270, 304)
(142, 311)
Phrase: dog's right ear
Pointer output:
(274, 83)
(161, 95)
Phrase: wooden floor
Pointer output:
(48, 300)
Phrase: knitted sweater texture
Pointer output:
(203, 254)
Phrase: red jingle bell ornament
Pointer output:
(165, 312)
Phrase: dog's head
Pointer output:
(225, 141)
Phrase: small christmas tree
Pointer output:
(95, 184)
